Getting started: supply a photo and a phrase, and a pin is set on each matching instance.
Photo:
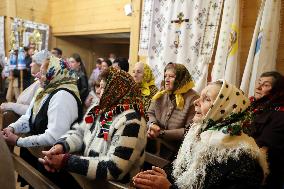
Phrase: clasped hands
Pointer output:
(153, 131)
(152, 179)
(9, 136)
(53, 158)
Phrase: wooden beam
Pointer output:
(91, 32)
(111, 41)
(155, 160)
(31, 175)
(135, 32)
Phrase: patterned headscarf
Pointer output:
(218, 138)
(229, 100)
(59, 75)
(228, 108)
(183, 83)
(121, 93)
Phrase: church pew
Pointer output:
(31, 175)
(149, 158)
(37, 180)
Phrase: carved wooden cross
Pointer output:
(178, 23)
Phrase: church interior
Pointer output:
(190, 90)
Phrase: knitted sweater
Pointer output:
(118, 158)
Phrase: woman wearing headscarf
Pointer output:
(172, 109)
(20, 107)
(215, 152)
(54, 109)
(268, 124)
(144, 77)
(112, 137)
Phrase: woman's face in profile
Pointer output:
(42, 72)
(205, 101)
(263, 87)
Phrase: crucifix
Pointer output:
(180, 20)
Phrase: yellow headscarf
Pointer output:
(59, 75)
(148, 80)
(183, 83)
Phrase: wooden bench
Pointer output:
(39, 181)
(31, 175)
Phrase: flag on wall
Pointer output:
(263, 49)
(2, 39)
(181, 32)
(226, 62)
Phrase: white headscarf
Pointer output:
(203, 145)
(41, 56)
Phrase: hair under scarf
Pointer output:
(183, 83)
(207, 143)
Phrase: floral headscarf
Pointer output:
(59, 75)
(121, 93)
(183, 83)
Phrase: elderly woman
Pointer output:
(172, 109)
(112, 137)
(144, 77)
(215, 152)
(55, 107)
(268, 125)
(21, 106)
(58, 98)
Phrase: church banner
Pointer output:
(182, 32)
(226, 64)
(263, 50)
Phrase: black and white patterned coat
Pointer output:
(118, 158)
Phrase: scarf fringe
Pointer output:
(194, 156)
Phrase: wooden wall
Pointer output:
(74, 17)
(2, 8)
(34, 10)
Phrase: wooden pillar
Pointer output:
(10, 12)
(135, 32)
